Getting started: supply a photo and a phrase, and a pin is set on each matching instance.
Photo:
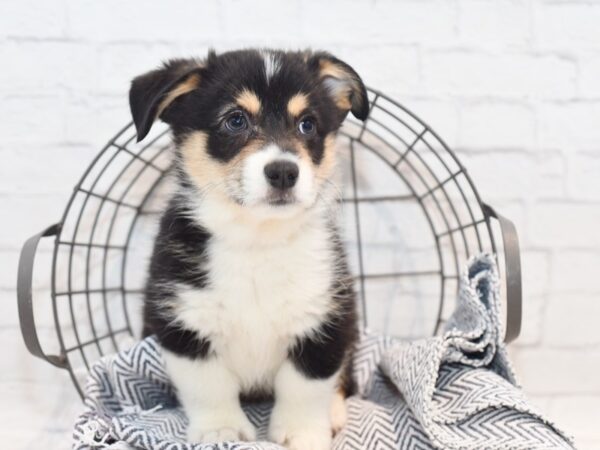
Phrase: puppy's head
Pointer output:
(256, 127)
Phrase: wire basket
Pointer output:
(412, 218)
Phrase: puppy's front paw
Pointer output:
(300, 433)
(302, 438)
(220, 427)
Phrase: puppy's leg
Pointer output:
(209, 394)
(339, 413)
(301, 417)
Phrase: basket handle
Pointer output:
(512, 262)
(25, 301)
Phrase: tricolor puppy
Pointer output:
(249, 291)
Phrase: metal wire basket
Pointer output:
(412, 219)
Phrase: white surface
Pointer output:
(513, 86)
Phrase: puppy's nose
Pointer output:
(282, 174)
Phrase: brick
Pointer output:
(532, 322)
(575, 271)
(535, 268)
(504, 125)
(263, 26)
(567, 25)
(563, 224)
(589, 73)
(141, 21)
(8, 274)
(489, 170)
(90, 122)
(563, 312)
(33, 120)
(499, 24)
(505, 74)
(550, 172)
(514, 175)
(582, 176)
(33, 19)
(401, 62)
(385, 21)
(554, 371)
(119, 63)
(535, 273)
(42, 67)
(569, 126)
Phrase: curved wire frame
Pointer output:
(95, 296)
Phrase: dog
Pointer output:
(249, 292)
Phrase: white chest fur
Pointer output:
(260, 296)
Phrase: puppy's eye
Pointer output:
(307, 126)
(236, 122)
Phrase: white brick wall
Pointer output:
(512, 85)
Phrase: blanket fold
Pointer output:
(453, 391)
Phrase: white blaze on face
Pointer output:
(271, 64)
(256, 185)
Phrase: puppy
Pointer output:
(248, 291)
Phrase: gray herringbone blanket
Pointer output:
(454, 391)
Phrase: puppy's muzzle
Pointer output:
(282, 174)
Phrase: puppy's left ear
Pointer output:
(343, 83)
(151, 94)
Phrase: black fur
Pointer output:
(178, 257)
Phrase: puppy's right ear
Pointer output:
(152, 93)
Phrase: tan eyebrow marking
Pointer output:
(297, 104)
(249, 101)
(191, 83)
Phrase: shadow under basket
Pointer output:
(411, 214)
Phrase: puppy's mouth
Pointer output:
(281, 199)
